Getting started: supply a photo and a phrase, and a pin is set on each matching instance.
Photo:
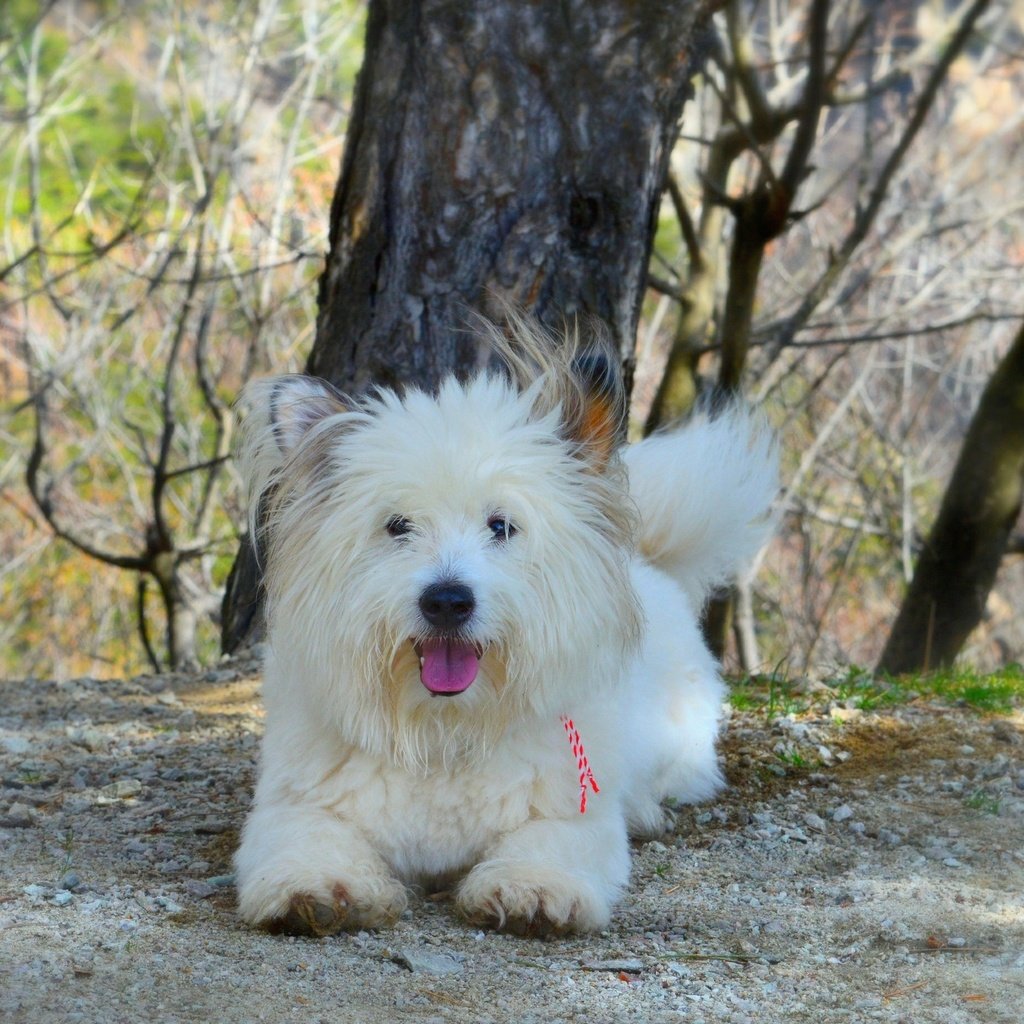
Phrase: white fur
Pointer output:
(368, 782)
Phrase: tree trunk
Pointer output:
(959, 562)
(498, 152)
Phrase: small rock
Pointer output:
(123, 789)
(18, 816)
(37, 891)
(88, 737)
(847, 714)
(82, 961)
(69, 881)
(186, 721)
(210, 827)
(201, 890)
(812, 820)
(221, 881)
(1005, 732)
(14, 744)
(168, 698)
(967, 749)
(842, 813)
(166, 903)
(62, 898)
(423, 962)
(957, 941)
(889, 837)
(857, 827)
(952, 862)
(615, 966)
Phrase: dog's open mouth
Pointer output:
(447, 666)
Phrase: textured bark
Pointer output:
(499, 151)
(982, 503)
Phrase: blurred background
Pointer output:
(166, 176)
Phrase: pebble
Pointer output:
(1005, 732)
(842, 813)
(186, 721)
(812, 820)
(889, 837)
(15, 744)
(846, 714)
(957, 941)
(123, 789)
(221, 881)
(88, 737)
(627, 966)
(62, 897)
(69, 881)
(18, 816)
(423, 962)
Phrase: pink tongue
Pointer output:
(448, 666)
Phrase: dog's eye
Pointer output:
(397, 526)
(501, 528)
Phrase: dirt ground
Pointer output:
(862, 866)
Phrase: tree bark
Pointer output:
(498, 152)
(982, 503)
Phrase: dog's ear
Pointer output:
(297, 403)
(596, 420)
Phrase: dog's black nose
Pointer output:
(447, 605)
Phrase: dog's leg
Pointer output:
(304, 871)
(550, 877)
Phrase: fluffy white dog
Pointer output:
(477, 614)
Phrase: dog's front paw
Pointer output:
(531, 899)
(307, 915)
(317, 910)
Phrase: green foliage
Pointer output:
(981, 801)
(999, 692)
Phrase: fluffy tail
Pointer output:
(703, 492)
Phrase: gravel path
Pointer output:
(862, 866)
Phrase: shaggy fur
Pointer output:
(586, 572)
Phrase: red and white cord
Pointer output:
(586, 775)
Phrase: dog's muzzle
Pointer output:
(448, 664)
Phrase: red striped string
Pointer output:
(586, 775)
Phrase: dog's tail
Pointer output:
(703, 493)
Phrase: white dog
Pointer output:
(477, 615)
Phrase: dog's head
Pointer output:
(439, 564)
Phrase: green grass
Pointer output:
(794, 760)
(980, 801)
(998, 692)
